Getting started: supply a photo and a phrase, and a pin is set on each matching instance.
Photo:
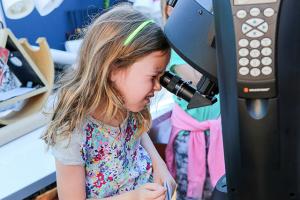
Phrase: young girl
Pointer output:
(97, 134)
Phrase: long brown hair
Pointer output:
(88, 86)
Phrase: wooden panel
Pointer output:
(30, 116)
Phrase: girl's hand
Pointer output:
(150, 191)
(161, 174)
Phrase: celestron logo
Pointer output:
(247, 90)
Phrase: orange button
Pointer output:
(246, 90)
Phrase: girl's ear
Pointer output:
(116, 74)
(113, 75)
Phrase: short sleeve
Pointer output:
(67, 150)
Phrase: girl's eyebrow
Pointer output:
(157, 72)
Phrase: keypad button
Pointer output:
(255, 63)
(246, 28)
(263, 27)
(254, 12)
(244, 61)
(243, 42)
(254, 53)
(241, 14)
(269, 12)
(243, 52)
(266, 42)
(266, 51)
(244, 71)
(254, 44)
(255, 72)
(254, 21)
(266, 70)
(266, 61)
(254, 34)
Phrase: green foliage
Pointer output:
(106, 4)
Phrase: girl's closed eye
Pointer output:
(156, 78)
(153, 77)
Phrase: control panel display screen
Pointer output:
(245, 2)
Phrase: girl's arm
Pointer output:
(160, 170)
(70, 181)
(147, 143)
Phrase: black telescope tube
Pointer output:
(177, 86)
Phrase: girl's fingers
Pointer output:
(153, 187)
(156, 191)
(163, 197)
(159, 194)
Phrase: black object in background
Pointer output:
(22, 70)
(261, 135)
(189, 30)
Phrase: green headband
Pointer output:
(136, 31)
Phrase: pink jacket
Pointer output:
(197, 152)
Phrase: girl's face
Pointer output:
(138, 82)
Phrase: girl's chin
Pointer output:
(138, 108)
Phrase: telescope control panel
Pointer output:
(255, 29)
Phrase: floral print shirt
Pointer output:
(114, 160)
